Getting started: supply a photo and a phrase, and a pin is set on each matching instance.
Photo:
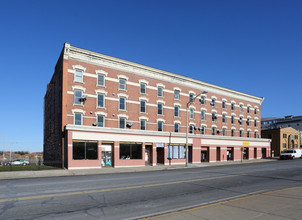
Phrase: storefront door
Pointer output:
(106, 156)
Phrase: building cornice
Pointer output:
(75, 53)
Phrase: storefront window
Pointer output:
(130, 151)
(85, 150)
(176, 152)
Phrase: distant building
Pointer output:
(288, 121)
(282, 139)
(104, 111)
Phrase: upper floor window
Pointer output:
(101, 100)
(224, 132)
(203, 115)
(191, 113)
(160, 91)
(248, 109)
(240, 133)
(255, 122)
(202, 100)
(284, 135)
(223, 104)
(122, 103)
(78, 76)
(143, 124)
(159, 108)
(255, 134)
(214, 117)
(176, 94)
(203, 130)
(248, 122)
(78, 119)
(241, 108)
(232, 106)
(122, 123)
(101, 80)
(213, 103)
(143, 88)
(248, 134)
(240, 120)
(191, 97)
(160, 126)
(191, 129)
(176, 127)
(213, 131)
(122, 84)
(233, 132)
(255, 111)
(176, 111)
(223, 118)
(232, 119)
(143, 106)
(77, 97)
(100, 122)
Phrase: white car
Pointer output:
(18, 162)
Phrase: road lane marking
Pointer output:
(113, 189)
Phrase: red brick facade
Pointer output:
(89, 65)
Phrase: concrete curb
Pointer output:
(82, 172)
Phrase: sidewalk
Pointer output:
(109, 170)
(278, 204)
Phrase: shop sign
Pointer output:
(246, 143)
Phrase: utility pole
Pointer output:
(3, 148)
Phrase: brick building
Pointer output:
(104, 111)
(282, 139)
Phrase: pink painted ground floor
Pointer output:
(87, 147)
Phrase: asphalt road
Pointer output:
(137, 195)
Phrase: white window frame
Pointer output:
(103, 100)
(140, 106)
(119, 104)
(78, 113)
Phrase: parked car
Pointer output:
(291, 154)
(18, 162)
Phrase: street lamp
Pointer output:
(187, 117)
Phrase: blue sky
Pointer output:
(252, 46)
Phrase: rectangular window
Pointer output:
(122, 122)
(296, 137)
(176, 111)
(223, 118)
(130, 151)
(248, 122)
(248, 109)
(255, 123)
(122, 84)
(143, 88)
(160, 126)
(176, 94)
(240, 120)
(284, 145)
(223, 104)
(284, 135)
(232, 106)
(122, 104)
(78, 119)
(191, 97)
(100, 100)
(77, 96)
(203, 115)
(203, 130)
(240, 133)
(248, 134)
(143, 124)
(78, 76)
(232, 119)
(213, 131)
(159, 108)
(160, 92)
(241, 108)
(255, 111)
(85, 150)
(202, 100)
(255, 134)
(214, 117)
(101, 80)
(233, 132)
(100, 122)
(191, 128)
(143, 106)
(176, 152)
(191, 113)
(213, 103)
(176, 127)
(224, 132)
